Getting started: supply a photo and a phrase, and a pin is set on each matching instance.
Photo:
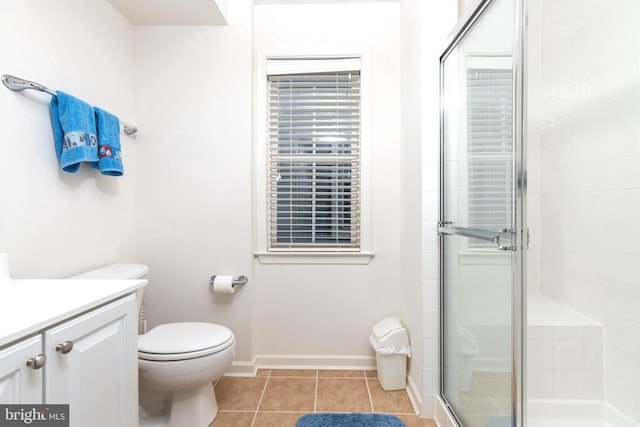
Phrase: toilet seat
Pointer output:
(183, 341)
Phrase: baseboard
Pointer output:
(415, 398)
(297, 361)
(242, 369)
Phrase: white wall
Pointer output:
(52, 223)
(328, 310)
(590, 180)
(424, 31)
(193, 202)
(411, 197)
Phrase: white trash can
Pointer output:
(390, 341)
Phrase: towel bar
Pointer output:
(17, 84)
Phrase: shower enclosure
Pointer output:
(481, 218)
(540, 215)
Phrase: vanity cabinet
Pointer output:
(20, 383)
(91, 364)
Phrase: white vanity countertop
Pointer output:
(29, 306)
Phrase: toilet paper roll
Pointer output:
(4, 266)
(223, 285)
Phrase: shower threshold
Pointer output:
(575, 413)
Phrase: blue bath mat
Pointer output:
(349, 420)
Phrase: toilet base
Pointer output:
(195, 407)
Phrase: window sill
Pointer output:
(353, 258)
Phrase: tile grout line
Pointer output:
(366, 381)
(315, 395)
(264, 389)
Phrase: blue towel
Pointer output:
(74, 131)
(108, 125)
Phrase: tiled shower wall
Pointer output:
(433, 21)
(565, 362)
(589, 159)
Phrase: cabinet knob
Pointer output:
(65, 347)
(37, 362)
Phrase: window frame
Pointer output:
(262, 252)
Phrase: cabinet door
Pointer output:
(98, 377)
(18, 382)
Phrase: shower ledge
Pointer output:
(565, 353)
(544, 311)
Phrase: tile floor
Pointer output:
(278, 397)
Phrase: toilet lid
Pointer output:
(184, 340)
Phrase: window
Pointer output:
(489, 143)
(313, 155)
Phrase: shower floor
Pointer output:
(575, 413)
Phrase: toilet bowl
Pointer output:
(177, 363)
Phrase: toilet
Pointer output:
(177, 363)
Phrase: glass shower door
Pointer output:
(478, 222)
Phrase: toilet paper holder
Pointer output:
(240, 280)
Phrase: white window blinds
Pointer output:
(489, 144)
(313, 159)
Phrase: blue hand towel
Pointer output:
(74, 131)
(110, 162)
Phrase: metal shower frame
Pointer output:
(466, 22)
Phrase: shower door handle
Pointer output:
(487, 236)
(504, 238)
(511, 248)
